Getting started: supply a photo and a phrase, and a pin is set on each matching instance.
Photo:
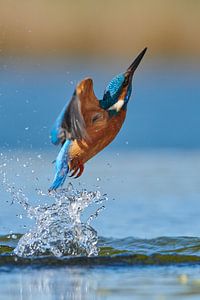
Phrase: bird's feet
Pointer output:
(77, 171)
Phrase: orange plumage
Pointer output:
(87, 125)
(100, 133)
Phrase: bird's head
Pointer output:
(118, 91)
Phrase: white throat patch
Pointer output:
(117, 106)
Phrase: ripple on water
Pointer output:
(127, 251)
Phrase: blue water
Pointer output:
(163, 112)
(150, 175)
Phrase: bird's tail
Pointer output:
(62, 167)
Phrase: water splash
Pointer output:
(59, 229)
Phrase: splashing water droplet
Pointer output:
(14, 236)
(59, 229)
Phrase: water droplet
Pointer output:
(59, 229)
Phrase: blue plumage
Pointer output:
(112, 91)
(56, 130)
(62, 167)
(115, 85)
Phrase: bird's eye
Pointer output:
(96, 117)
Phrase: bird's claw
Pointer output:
(77, 172)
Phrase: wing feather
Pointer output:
(73, 121)
(76, 116)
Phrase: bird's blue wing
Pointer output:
(56, 131)
(62, 167)
(70, 123)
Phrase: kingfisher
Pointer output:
(87, 125)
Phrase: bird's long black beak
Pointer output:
(131, 69)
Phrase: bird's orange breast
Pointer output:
(100, 134)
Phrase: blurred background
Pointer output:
(46, 47)
(99, 28)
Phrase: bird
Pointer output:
(86, 125)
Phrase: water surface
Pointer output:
(147, 237)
